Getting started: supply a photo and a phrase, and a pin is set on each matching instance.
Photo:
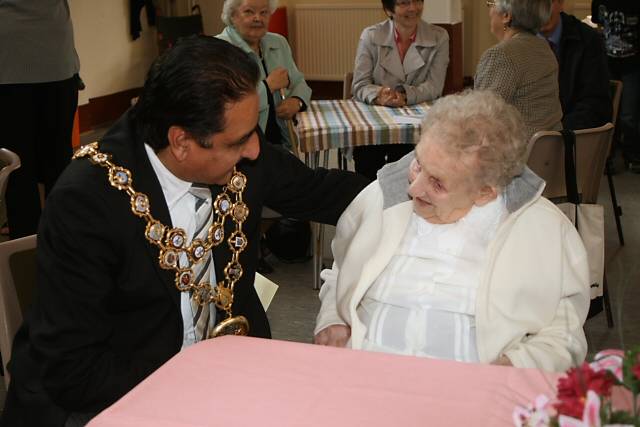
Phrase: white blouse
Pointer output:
(423, 302)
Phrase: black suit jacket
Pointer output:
(107, 315)
(583, 76)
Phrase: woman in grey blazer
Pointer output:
(522, 67)
(400, 61)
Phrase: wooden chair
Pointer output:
(17, 284)
(592, 148)
(347, 81)
(547, 161)
(616, 94)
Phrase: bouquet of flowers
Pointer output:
(584, 397)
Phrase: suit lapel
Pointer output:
(390, 61)
(145, 181)
(389, 57)
(412, 61)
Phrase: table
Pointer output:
(240, 381)
(348, 123)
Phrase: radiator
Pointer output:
(326, 37)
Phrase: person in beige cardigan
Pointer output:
(522, 67)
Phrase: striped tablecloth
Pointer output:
(348, 123)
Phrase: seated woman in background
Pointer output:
(246, 27)
(522, 67)
(464, 260)
(401, 61)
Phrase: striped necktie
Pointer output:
(201, 270)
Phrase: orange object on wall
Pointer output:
(278, 23)
(75, 134)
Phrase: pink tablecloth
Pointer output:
(237, 381)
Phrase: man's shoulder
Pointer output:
(573, 28)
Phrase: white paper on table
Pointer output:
(408, 120)
(265, 289)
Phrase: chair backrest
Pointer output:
(17, 284)
(547, 160)
(347, 80)
(11, 162)
(616, 95)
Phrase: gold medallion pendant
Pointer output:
(236, 325)
(172, 242)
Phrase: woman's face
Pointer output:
(251, 20)
(497, 22)
(407, 13)
(441, 184)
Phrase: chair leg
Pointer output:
(617, 210)
(318, 244)
(606, 302)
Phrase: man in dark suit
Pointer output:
(107, 314)
(583, 76)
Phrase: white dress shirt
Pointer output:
(423, 302)
(182, 210)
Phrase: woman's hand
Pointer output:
(334, 335)
(390, 98)
(288, 108)
(385, 94)
(502, 361)
(278, 79)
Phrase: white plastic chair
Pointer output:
(17, 283)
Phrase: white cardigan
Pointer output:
(533, 297)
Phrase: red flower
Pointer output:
(572, 389)
(636, 370)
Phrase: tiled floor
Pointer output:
(293, 310)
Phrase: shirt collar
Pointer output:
(556, 35)
(173, 187)
(396, 35)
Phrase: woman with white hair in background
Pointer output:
(283, 91)
(522, 67)
(464, 260)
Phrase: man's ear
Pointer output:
(179, 142)
(486, 195)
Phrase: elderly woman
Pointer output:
(522, 67)
(401, 61)
(283, 91)
(464, 260)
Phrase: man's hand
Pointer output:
(288, 108)
(334, 335)
(278, 79)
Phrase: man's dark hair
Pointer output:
(190, 86)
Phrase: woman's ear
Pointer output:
(486, 195)
(506, 20)
(178, 142)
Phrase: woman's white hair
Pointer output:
(482, 130)
(526, 15)
(230, 6)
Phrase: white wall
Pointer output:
(110, 61)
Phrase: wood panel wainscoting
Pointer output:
(105, 109)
